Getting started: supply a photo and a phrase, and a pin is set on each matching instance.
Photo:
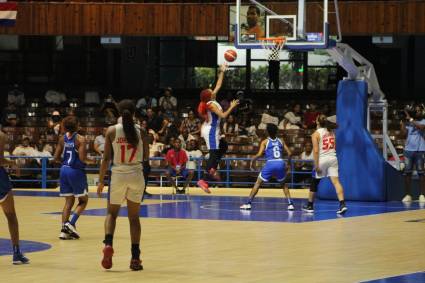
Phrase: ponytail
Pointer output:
(202, 110)
(203, 107)
(127, 109)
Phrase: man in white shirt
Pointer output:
(99, 143)
(168, 102)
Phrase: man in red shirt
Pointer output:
(176, 161)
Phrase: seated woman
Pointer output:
(231, 127)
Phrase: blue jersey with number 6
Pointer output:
(275, 166)
(274, 149)
(70, 153)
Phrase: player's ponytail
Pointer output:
(202, 107)
(325, 123)
(127, 110)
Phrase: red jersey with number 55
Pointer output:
(327, 143)
(127, 158)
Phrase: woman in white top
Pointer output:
(325, 162)
(125, 148)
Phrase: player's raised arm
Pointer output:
(223, 115)
(222, 70)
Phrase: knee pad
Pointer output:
(314, 185)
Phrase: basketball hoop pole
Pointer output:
(271, 12)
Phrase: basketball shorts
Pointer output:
(5, 184)
(184, 173)
(273, 168)
(126, 186)
(73, 182)
(329, 167)
(211, 135)
(414, 159)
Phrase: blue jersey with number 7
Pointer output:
(70, 153)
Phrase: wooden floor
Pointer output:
(351, 249)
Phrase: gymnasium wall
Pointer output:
(178, 19)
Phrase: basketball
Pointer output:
(230, 55)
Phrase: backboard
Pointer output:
(306, 27)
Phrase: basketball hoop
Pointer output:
(274, 45)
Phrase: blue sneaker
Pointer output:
(19, 258)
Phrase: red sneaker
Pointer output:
(108, 252)
(136, 265)
(204, 186)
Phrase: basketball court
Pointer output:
(199, 238)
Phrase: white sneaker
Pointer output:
(71, 230)
(246, 206)
(291, 207)
(407, 198)
(421, 198)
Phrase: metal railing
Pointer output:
(230, 172)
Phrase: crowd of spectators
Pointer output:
(166, 120)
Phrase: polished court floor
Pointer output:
(200, 238)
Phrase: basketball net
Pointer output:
(274, 45)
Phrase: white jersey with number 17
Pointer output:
(127, 158)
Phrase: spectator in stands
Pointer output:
(225, 102)
(155, 122)
(146, 102)
(43, 149)
(193, 152)
(11, 120)
(42, 144)
(16, 96)
(155, 149)
(54, 123)
(169, 129)
(168, 102)
(267, 118)
(185, 137)
(55, 97)
(176, 162)
(144, 125)
(99, 142)
(248, 127)
(293, 118)
(305, 166)
(191, 123)
(25, 150)
(310, 116)
(110, 110)
(231, 127)
(414, 151)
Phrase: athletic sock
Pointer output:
(135, 251)
(250, 200)
(342, 202)
(74, 219)
(310, 203)
(16, 249)
(108, 239)
(290, 201)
